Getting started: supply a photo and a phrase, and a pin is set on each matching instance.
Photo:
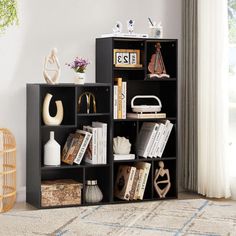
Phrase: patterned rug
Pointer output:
(165, 218)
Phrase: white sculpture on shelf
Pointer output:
(121, 145)
(52, 75)
(47, 118)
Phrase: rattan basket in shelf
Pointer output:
(7, 170)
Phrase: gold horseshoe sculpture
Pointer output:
(88, 100)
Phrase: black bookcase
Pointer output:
(138, 83)
(38, 135)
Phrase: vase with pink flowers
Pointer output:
(79, 65)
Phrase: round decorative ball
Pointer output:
(121, 145)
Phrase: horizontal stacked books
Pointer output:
(120, 94)
(152, 138)
(89, 144)
(131, 181)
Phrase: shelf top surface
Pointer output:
(126, 38)
(70, 85)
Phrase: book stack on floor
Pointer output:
(131, 181)
(120, 94)
(89, 145)
(153, 138)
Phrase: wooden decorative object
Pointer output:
(7, 170)
(60, 192)
(126, 58)
(162, 180)
(88, 96)
(156, 65)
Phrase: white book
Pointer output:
(143, 181)
(167, 135)
(146, 115)
(157, 139)
(146, 138)
(120, 157)
(104, 139)
(90, 155)
(152, 150)
(99, 144)
(162, 138)
(115, 102)
(152, 141)
(124, 98)
(86, 138)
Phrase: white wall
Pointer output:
(71, 26)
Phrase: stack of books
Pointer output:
(131, 181)
(120, 94)
(152, 138)
(89, 144)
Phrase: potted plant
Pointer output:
(8, 14)
(79, 65)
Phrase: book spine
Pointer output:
(95, 148)
(150, 142)
(124, 94)
(119, 157)
(160, 143)
(143, 182)
(132, 192)
(119, 104)
(140, 176)
(82, 149)
(167, 135)
(157, 140)
(151, 153)
(99, 145)
(105, 143)
(115, 101)
(129, 183)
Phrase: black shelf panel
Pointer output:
(128, 68)
(118, 201)
(149, 119)
(72, 85)
(57, 126)
(134, 160)
(93, 114)
(64, 166)
(159, 80)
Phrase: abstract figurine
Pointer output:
(162, 180)
(47, 118)
(51, 75)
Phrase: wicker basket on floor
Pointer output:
(7, 170)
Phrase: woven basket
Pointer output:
(7, 170)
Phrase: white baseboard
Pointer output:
(21, 194)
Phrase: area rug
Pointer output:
(164, 218)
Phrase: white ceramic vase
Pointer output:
(93, 193)
(80, 78)
(47, 118)
(52, 152)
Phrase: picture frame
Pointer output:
(127, 58)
